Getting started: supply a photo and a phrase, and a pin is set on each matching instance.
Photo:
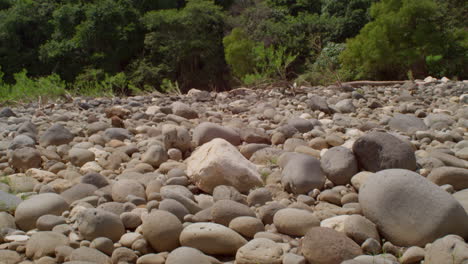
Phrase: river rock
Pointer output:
(184, 255)
(211, 238)
(9, 256)
(294, 222)
(36, 206)
(125, 187)
(79, 157)
(89, 255)
(260, 251)
(457, 177)
(247, 226)
(449, 249)
(22, 141)
(302, 174)
(339, 164)
(26, 158)
(162, 229)
(462, 198)
(8, 202)
(359, 229)
(323, 245)
(407, 123)
(224, 211)
(44, 243)
(379, 151)
(94, 223)
(155, 156)
(78, 191)
(56, 135)
(219, 163)
(207, 131)
(410, 210)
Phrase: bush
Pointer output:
(167, 86)
(254, 63)
(326, 68)
(272, 62)
(91, 83)
(94, 82)
(28, 89)
(239, 53)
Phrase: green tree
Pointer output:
(102, 34)
(5, 4)
(239, 52)
(403, 34)
(252, 62)
(23, 28)
(276, 26)
(294, 7)
(351, 16)
(186, 45)
(149, 5)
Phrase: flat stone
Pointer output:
(210, 238)
(36, 206)
(294, 222)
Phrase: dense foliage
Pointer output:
(407, 35)
(133, 45)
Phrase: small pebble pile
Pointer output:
(318, 175)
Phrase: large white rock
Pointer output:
(220, 163)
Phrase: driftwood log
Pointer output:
(371, 83)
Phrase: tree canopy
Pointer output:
(404, 36)
(218, 44)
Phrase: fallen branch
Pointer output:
(372, 83)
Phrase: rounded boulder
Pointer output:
(213, 239)
(339, 164)
(162, 229)
(260, 251)
(379, 151)
(294, 222)
(94, 223)
(226, 210)
(323, 245)
(44, 243)
(410, 210)
(124, 187)
(36, 206)
(301, 174)
(207, 131)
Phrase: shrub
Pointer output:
(239, 53)
(28, 89)
(254, 63)
(326, 68)
(403, 34)
(91, 83)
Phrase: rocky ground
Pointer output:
(319, 175)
